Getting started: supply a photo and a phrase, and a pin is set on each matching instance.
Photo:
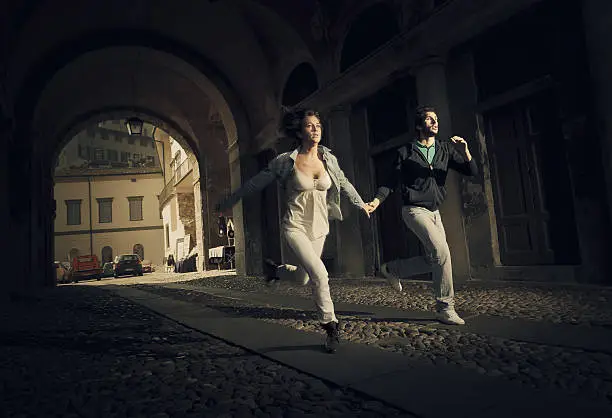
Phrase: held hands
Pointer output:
(370, 207)
(463, 145)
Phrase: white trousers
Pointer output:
(306, 253)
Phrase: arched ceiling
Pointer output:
(51, 44)
(129, 78)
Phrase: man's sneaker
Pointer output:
(393, 281)
(270, 271)
(449, 317)
(333, 337)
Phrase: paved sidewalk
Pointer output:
(562, 335)
(423, 389)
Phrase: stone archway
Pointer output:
(171, 118)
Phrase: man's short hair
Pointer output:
(421, 114)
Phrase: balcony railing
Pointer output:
(178, 174)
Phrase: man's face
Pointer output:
(311, 129)
(430, 124)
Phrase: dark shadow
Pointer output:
(274, 313)
(164, 349)
(404, 320)
(308, 347)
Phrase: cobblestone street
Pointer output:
(88, 353)
(80, 351)
(572, 370)
(582, 372)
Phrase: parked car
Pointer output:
(128, 264)
(108, 269)
(147, 266)
(86, 267)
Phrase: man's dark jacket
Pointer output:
(420, 183)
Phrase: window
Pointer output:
(73, 212)
(105, 210)
(167, 236)
(131, 140)
(137, 158)
(112, 155)
(104, 135)
(125, 156)
(98, 154)
(144, 142)
(118, 137)
(135, 208)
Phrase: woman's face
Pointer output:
(311, 129)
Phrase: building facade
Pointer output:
(108, 216)
(183, 203)
(106, 206)
(525, 82)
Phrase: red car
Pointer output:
(86, 267)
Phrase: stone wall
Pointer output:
(186, 213)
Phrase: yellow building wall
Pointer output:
(121, 234)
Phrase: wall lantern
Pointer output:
(134, 126)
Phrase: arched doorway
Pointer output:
(139, 250)
(107, 254)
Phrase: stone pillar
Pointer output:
(6, 283)
(349, 248)
(430, 77)
(365, 186)
(478, 204)
(598, 33)
(247, 216)
(19, 191)
(199, 213)
(38, 266)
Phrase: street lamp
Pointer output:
(134, 126)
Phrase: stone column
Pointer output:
(365, 186)
(199, 213)
(247, 216)
(38, 269)
(598, 33)
(430, 75)
(349, 248)
(19, 193)
(6, 283)
(478, 203)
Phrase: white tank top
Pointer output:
(307, 204)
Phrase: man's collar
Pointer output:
(418, 144)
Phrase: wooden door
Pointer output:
(522, 218)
